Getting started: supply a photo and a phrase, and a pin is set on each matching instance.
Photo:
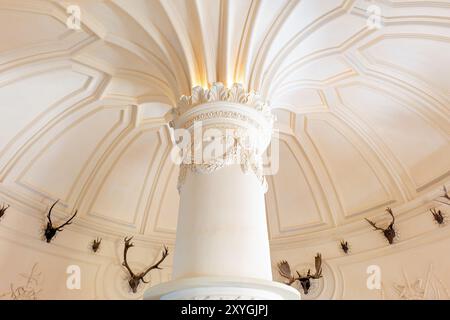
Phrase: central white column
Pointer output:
(222, 245)
(222, 228)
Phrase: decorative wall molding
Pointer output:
(430, 287)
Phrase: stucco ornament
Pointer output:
(218, 92)
(430, 287)
(243, 126)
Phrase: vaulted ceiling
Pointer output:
(363, 113)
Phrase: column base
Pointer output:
(221, 288)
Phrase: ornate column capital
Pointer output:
(218, 92)
(239, 121)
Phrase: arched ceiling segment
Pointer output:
(342, 92)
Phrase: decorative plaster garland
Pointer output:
(248, 158)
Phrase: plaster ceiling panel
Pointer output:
(119, 58)
(339, 31)
(353, 178)
(238, 15)
(314, 70)
(295, 202)
(282, 116)
(29, 29)
(154, 110)
(299, 22)
(58, 166)
(117, 22)
(201, 28)
(168, 211)
(421, 148)
(127, 88)
(121, 193)
(208, 25)
(300, 100)
(154, 19)
(411, 54)
(26, 98)
(265, 21)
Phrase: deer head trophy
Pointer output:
(345, 246)
(135, 279)
(446, 195)
(3, 209)
(50, 230)
(438, 216)
(305, 280)
(95, 245)
(389, 232)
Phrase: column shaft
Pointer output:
(222, 227)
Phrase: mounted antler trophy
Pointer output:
(3, 209)
(135, 279)
(95, 245)
(50, 231)
(438, 216)
(345, 246)
(305, 280)
(389, 232)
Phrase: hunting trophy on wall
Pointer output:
(135, 279)
(50, 230)
(388, 232)
(3, 209)
(438, 216)
(95, 245)
(345, 246)
(305, 280)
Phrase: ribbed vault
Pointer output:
(363, 113)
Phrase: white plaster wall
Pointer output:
(102, 277)
(415, 266)
(419, 257)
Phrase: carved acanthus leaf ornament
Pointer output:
(218, 92)
(245, 123)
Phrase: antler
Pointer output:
(67, 222)
(318, 265)
(165, 253)
(389, 210)
(128, 244)
(50, 213)
(446, 194)
(374, 225)
(435, 212)
(284, 270)
(3, 209)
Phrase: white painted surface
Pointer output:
(222, 228)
